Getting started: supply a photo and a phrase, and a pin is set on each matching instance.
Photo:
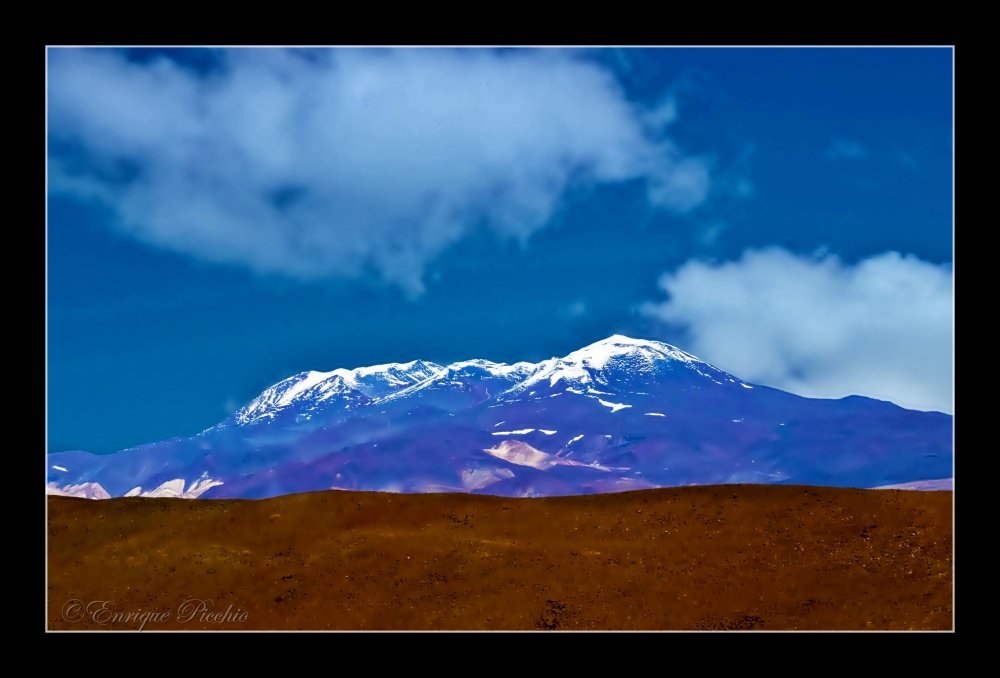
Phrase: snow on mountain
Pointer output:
(500, 375)
(359, 386)
(83, 490)
(382, 380)
(924, 485)
(616, 357)
(171, 488)
(629, 413)
(175, 488)
(314, 387)
(636, 357)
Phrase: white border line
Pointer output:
(45, 466)
(46, 437)
(498, 46)
(953, 339)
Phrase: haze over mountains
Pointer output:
(619, 414)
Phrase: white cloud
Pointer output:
(359, 160)
(818, 327)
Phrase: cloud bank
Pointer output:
(818, 327)
(346, 162)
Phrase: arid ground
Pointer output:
(721, 557)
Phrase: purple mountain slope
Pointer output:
(619, 414)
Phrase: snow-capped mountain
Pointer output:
(619, 359)
(619, 414)
(310, 392)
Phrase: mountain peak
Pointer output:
(597, 355)
(622, 339)
(641, 356)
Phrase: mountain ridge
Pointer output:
(422, 373)
(618, 414)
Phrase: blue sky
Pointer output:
(221, 219)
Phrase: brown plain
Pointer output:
(719, 557)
